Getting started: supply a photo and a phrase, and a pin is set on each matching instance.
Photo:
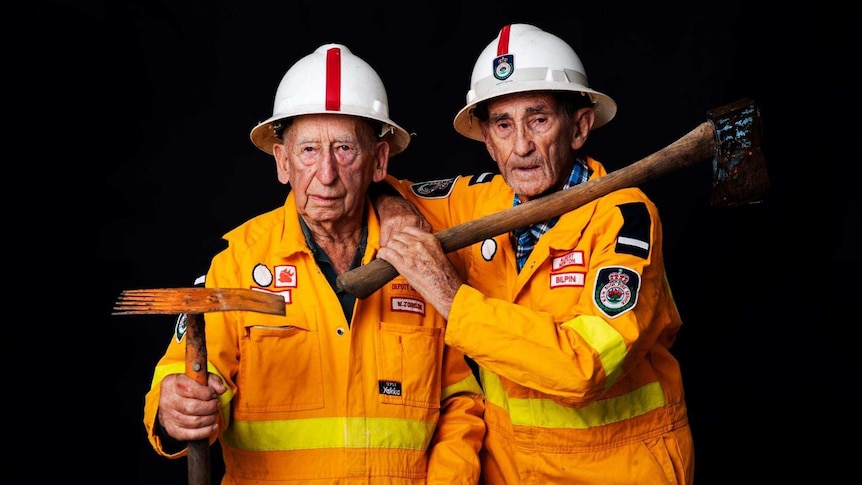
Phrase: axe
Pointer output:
(194, 302)
(731, 137)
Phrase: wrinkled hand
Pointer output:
(418, 256)
(187, 410)
(396, 212)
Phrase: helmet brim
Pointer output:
(466, 124)
(263, 136)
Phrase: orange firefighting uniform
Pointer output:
(574, 351)
(316, 400)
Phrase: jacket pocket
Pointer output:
(409, 364)
(280, 369)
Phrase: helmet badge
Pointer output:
(504, 66)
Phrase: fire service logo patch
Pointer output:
(504, 66)
(616, 290)
(180, 328)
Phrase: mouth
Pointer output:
(527, 169)
(324, 199)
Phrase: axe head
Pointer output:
(739, 174)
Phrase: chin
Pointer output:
(531, 191)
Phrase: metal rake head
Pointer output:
(197, 300)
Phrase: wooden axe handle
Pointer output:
(196, 367)
(697, 145)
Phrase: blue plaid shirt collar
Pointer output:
(524, 239)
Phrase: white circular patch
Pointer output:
(262, 275)
(489, 249)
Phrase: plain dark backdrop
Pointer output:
(138, 158)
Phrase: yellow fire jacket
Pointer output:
(314, 400)
(574, 351)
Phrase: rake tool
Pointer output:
(194, 302)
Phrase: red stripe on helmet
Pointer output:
(503, 43)
(333, 79)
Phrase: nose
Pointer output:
(327, 168)
(523, 144)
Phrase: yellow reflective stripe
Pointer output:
(467, 385)
(493, 389)
(545, 413)
(605, 340)
(177, 368)
(305, 434)
(163, 370)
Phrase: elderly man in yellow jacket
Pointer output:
(337, 390)
(570, 320)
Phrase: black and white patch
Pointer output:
(481, 178)
(433, 189)
(389, 388)
(634, 235)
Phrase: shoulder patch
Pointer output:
(482, 178)
(433, 189)
(616, 290)
(634, 235)
(180, 327)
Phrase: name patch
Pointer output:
(283, 293)
(389, 388)
(574, 258)
(408, 305)
(567, 279)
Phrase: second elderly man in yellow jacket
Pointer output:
(570, 320)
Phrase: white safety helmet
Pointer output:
(525, 58)
(331, 80)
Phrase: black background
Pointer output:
(142, 159)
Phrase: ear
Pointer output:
(381, 161)
(583, 123)
(282, 165)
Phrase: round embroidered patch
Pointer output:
(489, 249)
(261, 275)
